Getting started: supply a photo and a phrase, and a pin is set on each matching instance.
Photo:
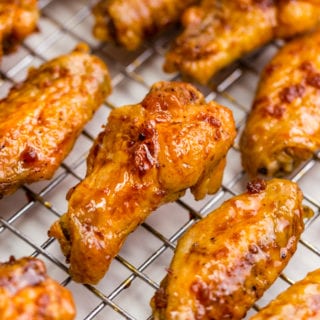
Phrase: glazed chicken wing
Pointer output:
(218, 32)
(41, 118)
(298, 302)
(17, 20)
(28, 293)
(283, 127)
(226, 261)
(147, 155)
(130, 22)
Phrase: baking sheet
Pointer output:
(135, 274)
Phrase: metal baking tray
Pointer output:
(135, 274)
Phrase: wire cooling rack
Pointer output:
(135, 274)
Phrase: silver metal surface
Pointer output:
(135, 274)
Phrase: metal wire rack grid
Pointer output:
(136, 272)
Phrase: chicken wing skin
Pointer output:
(218, 32)
(147, 155)
(298, 302)
(18, 19)
(283, 127)
(27, 292)
(226, 261)
(41, 118)
(130, 22)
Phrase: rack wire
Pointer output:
(135, 274)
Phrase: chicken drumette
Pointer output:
(226, 261)
(27, 292)
(41, 118)
(283, 127)
(220, 31)
(147, 155)
(130, 22)
(17, 20)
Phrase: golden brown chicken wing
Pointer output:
(42, 117)
(17, 20)
(147, 155)
(130, 22)
(27, 293)
(283, 127)
(218, 32)
(298, 302)
(226, 261)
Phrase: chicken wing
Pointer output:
(218, 32)
(27, 292)
(283, 127)
(41, 118)
(226, 261)
(298, 302)
(130, 22)
(147, 155)
(17, 20)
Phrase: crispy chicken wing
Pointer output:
(226, 261)
(298, 302)
(42, 117)
(283, 127)
(27, 292)
(130, 22)
(147, 155)
(218, 32)
(17, 20)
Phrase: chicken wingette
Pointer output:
(283, 128)
(130, 22)
(148, 154)
(218, 32)
(226, 261)
(28, 293)
(18, 19)
(41, 118)
(301, 301)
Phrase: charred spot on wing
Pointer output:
(256, 186)
(290, 93)
(142, 136)
(145, 148)
(307, 66)
(276, 111)
(160, 298)
(314, 80)
(143, 159)
(269, 69)
(201, 291)
(209, 119)
(28, 156)
(312, 76)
